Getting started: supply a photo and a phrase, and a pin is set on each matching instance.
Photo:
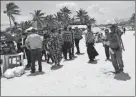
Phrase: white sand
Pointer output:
(78, 78)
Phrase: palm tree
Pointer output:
(132, 19)
(81, 14)
(11, 10)
(25, 25)
(50, 21)
(65, 12)
(38, 17)
(92, 21)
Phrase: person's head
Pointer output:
(65, 28)
(89, 27)
(113, 28)
(70, 28)
(106, 31)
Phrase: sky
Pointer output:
(102, 11)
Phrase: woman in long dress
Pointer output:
(55, 47)
(91, 51)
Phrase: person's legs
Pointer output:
(39, 58)
(65, 50)
(28, 54)
(114, 62)
(119, 59)
(77, 45)
(69, 51)
(33, 59)
(107, 51)
(89, 49)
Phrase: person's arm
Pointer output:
(27, 42)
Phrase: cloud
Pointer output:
(71, 5)
(23, 18)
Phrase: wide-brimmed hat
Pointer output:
(31, 28)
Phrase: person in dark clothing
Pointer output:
(72, 32)
(92, 53)
(78, 37)
(67, 36)
(19, 46)
(124, 29)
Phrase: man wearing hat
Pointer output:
(115, 49)
(34, 43)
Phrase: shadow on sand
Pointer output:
(122, 76)
(36, 73)
(81, 54)
(56, 67)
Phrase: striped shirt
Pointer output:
(67, 36)
(89, 37)
(78, 34)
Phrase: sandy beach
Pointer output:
(77, 77)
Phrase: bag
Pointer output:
(20, 70)
(9, 73)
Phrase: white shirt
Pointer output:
(34, 41)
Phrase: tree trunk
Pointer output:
(10, 21)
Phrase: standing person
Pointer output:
(34, 43)
(115, 49)
(91, 51)
(106, 44)
(72, 32)
(78, 37)
(67, 36)
(124, 30)
(55, 47)
(27, 51)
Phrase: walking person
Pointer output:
(34, 43)
(91, 51)
(78, 37)
(106, 44)
(55, 47)
(67, 36)
(116, 49)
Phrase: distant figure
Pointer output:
(106, 44)
(115, 49)
(124, 30)
(34, 43)
(91, 51)
(78, 37)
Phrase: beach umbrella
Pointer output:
(5, 36)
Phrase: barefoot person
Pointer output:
(91, 51)
(115, 49)
(34, 43)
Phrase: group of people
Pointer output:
(59, 43)
(55, 45)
